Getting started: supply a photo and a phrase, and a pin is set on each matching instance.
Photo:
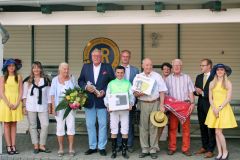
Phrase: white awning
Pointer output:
(121, 17)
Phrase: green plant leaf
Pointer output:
(67, 111)
(62, 105)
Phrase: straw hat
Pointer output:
(158, 118)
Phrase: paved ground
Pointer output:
(25, 148)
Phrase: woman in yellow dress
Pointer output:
(10, 103)
(220, 115)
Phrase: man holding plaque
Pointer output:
(149, 88)
(94, 78)
(119, 100)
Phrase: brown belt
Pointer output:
(153, 101)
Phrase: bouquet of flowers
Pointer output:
(73, 99)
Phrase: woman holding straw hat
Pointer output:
(220, 115)
(10, 103)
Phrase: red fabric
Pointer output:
(172, 133)
(179, 108)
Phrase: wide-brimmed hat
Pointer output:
(7, 62)
(158, 119)
(228, 70)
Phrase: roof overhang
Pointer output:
(121, 17)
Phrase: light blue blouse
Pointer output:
(57, 89)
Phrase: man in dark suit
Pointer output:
(94, 78)
(130, 73)
(202, 90)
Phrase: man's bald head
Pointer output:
(147, 65)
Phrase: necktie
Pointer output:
(204, 79)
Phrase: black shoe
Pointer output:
(14, 150)
(142, 155)
(114, 155)
(45, 150)
(226, 157)
(102, 152)
(218, 158)
(90, 151)
(9, 150)
(154, 155)
(130, 149)
(35, 151)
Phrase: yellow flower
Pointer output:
(68, 97)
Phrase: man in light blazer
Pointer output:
(202, 90)
(130, 73)
(99, 75)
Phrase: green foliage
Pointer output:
(62, 105)
(68, 110)
(74, 98)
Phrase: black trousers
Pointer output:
(207, 134)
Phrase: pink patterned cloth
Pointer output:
(179, 108)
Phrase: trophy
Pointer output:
(97, 92)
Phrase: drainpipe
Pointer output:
(178, 38)
(33, 45)
(66, 43)
(142, 40)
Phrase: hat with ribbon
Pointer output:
(7, 62)
(228, 70)
(158, 118)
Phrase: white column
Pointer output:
(1, 63)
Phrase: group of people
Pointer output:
(36, 96)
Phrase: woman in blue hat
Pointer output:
(220, 115)
(10, 103)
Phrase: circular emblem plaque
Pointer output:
(110, 51)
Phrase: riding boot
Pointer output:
(124, 148)
(114, 147)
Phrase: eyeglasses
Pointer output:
(203, 65)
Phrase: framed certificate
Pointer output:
(118, 101)
(143, 84)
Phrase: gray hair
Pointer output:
(146, 59)
(61, 65)
(177, 60)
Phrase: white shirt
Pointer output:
(159, 86)
(32, 101)
(127, 72)
(96, 70)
